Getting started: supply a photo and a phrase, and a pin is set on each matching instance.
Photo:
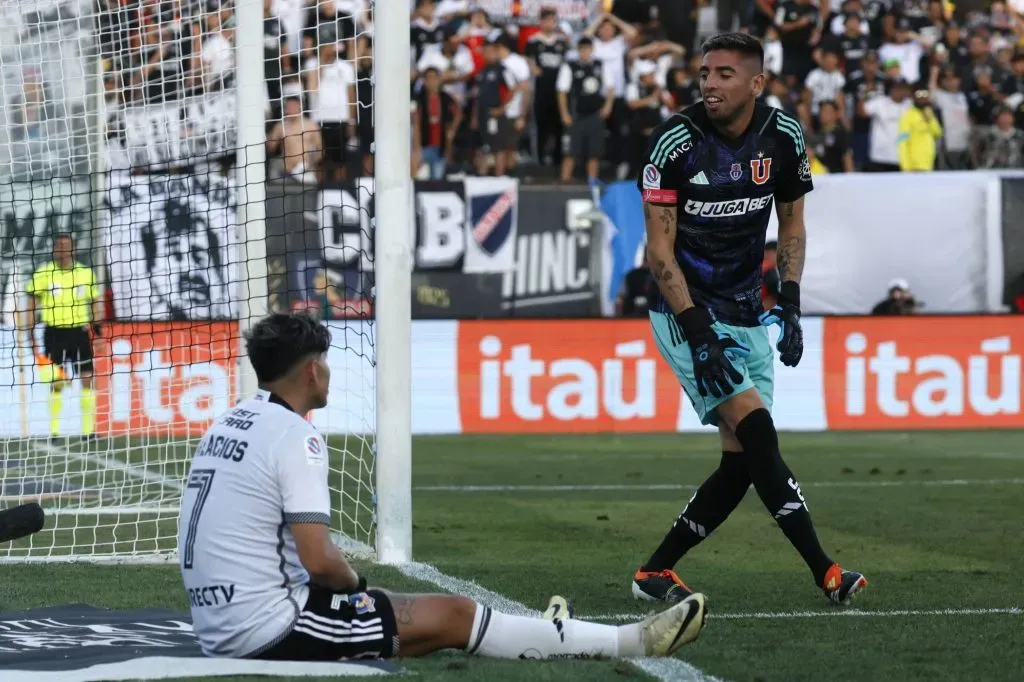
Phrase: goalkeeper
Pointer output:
(65, 296)
(264, 580)
(711, 176)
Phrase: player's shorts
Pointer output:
(65, 345)
(758, 368)
(498, 134)
(586, 137)
(335, 626)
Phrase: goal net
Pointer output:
(125, 200)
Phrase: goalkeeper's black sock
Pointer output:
(778, 489)
(708, 508)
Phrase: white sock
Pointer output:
(499, 635)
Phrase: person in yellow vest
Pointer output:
(65, 297)
(919, 134)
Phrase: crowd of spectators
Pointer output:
(879, 85)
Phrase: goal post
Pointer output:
(158, 135)
(393, 270)
(251, 179)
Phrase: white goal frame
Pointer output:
(393, 200)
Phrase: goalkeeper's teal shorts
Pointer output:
(758, 368)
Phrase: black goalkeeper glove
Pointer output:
(712, 366)
(786, 314)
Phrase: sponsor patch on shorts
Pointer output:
(363, 603)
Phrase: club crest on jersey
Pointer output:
(736, 172)
(760, 169)
(363, 603)
(652, 177)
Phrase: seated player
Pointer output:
(264, 579)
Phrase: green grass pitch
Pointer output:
(935, 520)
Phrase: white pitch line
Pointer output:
(953, 482)
(466, 588)
(846, 613)
(665, 669)
(140, 473)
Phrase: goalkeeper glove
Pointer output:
(713, 369)
(786, 314)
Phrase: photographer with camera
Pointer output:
(900, 300)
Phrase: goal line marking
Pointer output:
(845, 613)
(140, 473)
(665, 669)
(946, 483)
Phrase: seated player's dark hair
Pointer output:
(278, 342)
(744, 43)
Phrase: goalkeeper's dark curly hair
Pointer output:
(278, 342)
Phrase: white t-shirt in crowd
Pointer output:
(447, 9)
(885, 128)
(955, 116)
(292, 15)
(773, 57)
(837, 27)
(258, 468)
(612, 55)
(330, 102)
(908, 55)
(461, 62)
(824, 86)
(517, 65)
(218, 58)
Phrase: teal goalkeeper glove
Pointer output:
(712, 367)
(786, 314)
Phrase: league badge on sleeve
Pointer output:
(314, 450)
(651, 177)
(363, 603)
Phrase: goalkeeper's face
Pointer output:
(320, 381)
(729, 84)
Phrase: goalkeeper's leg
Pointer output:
(718, 496)
(428, 622)
(778, 489)
(710, 505)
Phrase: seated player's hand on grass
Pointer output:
(712, 365)
(786, 314)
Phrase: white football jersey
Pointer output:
(258, 468)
